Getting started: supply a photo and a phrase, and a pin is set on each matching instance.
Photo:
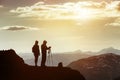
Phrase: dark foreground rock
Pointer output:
(12, 67)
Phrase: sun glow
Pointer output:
(70, 10)
(83, 14)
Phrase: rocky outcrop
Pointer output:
(12, 67)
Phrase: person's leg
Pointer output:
(36, 60)
(43, 60)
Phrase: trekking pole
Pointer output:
(48, 59)
(51, 58)
(49, 62)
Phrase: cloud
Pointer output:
(91, 4)
(1, 6)
(116, 23)
(118, 6)
(69, 10)
(17, 28)
(115, 5)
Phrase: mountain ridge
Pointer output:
(109, 50)
(99, 67)
(68, 57)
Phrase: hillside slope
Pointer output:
(101, 67)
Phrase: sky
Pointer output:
(67, 25)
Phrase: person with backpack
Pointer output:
(44, 49)
(36, 52)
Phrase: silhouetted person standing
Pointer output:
(44, 49)
(36, 51)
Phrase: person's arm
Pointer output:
(48, 47)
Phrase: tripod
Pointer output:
(50, 58)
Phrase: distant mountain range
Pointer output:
(65, 58)
(68, 57)
(100, 67)
(109, 50)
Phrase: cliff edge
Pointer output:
(12, 67)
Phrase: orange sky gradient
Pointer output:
(67, 26)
